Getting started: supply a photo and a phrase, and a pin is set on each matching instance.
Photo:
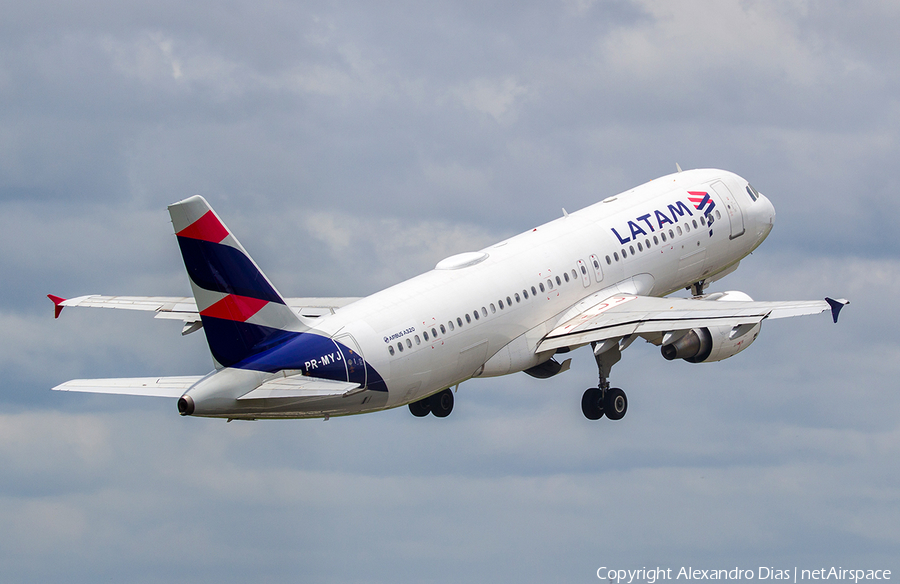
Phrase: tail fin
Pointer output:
(242, 312)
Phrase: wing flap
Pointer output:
(300, 386)
(145, 386)
(623, 315)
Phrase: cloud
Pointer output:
(352, 146)
(375, 241)
(149, 59)
(496, 98)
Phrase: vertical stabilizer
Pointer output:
(242, 312)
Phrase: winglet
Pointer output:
(57, 304)
(836, 306)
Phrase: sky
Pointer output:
(352, 145)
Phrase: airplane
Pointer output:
(600, 276)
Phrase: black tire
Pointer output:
(590, 404)
(421, 408)
(442, 403)
(615, 404)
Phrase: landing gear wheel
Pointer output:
(615, 404)
(590, 404)
(421, 408)
(442, 403)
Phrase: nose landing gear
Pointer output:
(604, 400)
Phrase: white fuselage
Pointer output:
(612, 246)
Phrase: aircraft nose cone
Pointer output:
(770, 211)
(765, 216)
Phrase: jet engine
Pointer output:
(708, 344)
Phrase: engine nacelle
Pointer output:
(708, 344)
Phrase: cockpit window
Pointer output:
(754, 194)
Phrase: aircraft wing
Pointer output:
(623, 315)
(185, 308)
(318, 306)
(177, 307)
(146, 386)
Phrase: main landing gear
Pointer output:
(439, 404)
(604, 400)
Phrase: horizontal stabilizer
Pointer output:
(146, 386)
(300, 386)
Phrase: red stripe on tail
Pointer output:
(207, 228)
(234, 307)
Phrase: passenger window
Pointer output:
(525, 293)
(616, 255)
(596, 265)
(624, 253)
(475, 314)
(434, 333)
(444, 331)
(655, 241)
(647, 243)
(687, 228)
(695, 224)
(671, 234)
(640, 247)
(425, 335)
(663, 236)
(517, 297)
(566, 276)
(679, 230)
(418, 341)
(391, 349)
(499, 303)
(575, 274)
(400, 347)
(702, 220)
(558, 281)
(493, 310)
(718, 215)
(549, 284)
(534, 292)
(509, 300)
(408, 343)
(631, 249)
(459, 320)
(483, 311)
(541, 286)
(468, 318)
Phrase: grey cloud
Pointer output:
(350, 146)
